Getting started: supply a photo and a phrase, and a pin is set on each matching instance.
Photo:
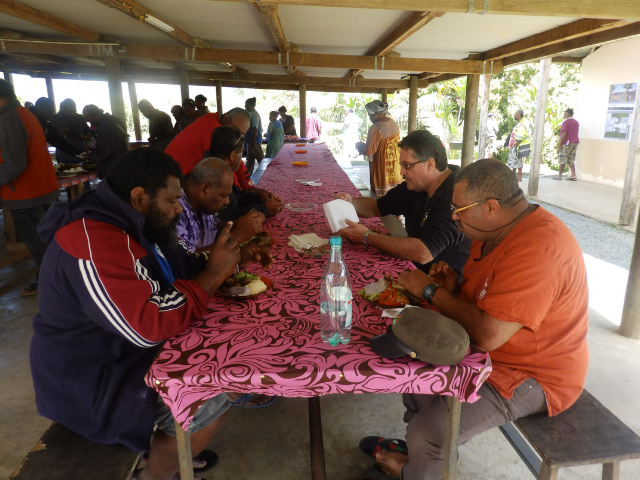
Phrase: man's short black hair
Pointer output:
(144, 167)
(6, 90)
(569, 111)
(188, 102)
(200, 97)
(490, 178)
(224, 140)
(425, 145)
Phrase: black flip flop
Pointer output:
(374, 473)
(373, 444)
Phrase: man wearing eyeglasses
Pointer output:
(524, 299)
(424, 198)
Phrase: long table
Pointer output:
(271, 344)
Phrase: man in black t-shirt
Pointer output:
(424, 198)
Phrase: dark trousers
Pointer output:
(26, 221)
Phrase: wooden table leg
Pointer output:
(315, 439)
(184, 453)
(451, 447)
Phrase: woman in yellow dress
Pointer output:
(382, 149)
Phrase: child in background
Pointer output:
(275, 135)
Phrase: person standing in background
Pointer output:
(28, 183)
(519, 144)
(288, 123)
(253, 137)
(111, 138)
(275, 135)
(568, 144)
(178, 112)
(190, 113)
(73, 128)
(382, 149)
(160, 126)
(314, 125)
(201, 104)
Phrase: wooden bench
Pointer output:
(62, 455)
(585, 434)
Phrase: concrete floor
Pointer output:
(272, 443)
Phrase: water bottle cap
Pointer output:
(336, 241)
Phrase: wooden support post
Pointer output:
(485, 94)
(630, 326)
(219, 96)
(302, 94)
(538, 129)
(470, 113)
(7, 76)
(49, 82)
(183, 439)
(133, 98)
(383, 96)
(453, 432)
(413, 103)
(632, 175)
(115, 88)
(184, 84)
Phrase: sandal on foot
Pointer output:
(374, 473)
(247, 398)
(556, 178)
(373, 444)
(205, 460)
(573, 179)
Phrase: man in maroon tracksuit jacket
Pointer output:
(114, 285)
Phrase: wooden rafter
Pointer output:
(257, 57)
(19, 10)
(139, 12)
(271, 18)
(570, 31)
(556, 8)
(411, 24)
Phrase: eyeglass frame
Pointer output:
(456, 210)
(241, 137)
(410, 165)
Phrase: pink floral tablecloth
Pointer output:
(271, 344)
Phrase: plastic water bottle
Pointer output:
(335, 298)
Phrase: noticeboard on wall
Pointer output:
(622, 100)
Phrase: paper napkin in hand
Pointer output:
(337, 211)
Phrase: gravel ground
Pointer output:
(598, 239)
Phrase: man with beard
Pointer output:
(424, 198)
(114, 286)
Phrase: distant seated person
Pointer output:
(112, 139)
(201, 105)
(424, 198)
(206, 191)
(160, 126)
(133, 288)
(73, 128)
(45, 111)
(190, 113)
(227, 143)
(275, 135)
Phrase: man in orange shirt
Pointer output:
(524, 299)
(28, 183)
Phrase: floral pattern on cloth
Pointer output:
(271, 344)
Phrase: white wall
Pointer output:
(599, 159)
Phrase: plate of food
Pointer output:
(301, 151)
(387, 293)
(245, 285)
(301, 144)
(301, 207)
(300, 164)
(317, 251)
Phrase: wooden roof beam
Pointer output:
(411, 24)
(271, 18)
(256, 57)
(24, 12)
(555, 8)
(579, 28)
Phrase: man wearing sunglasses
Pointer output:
(424, 198)
(524, 299)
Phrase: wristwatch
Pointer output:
(429, 291)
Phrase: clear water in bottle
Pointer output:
(335, 298)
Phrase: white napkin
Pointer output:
(306, 241)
